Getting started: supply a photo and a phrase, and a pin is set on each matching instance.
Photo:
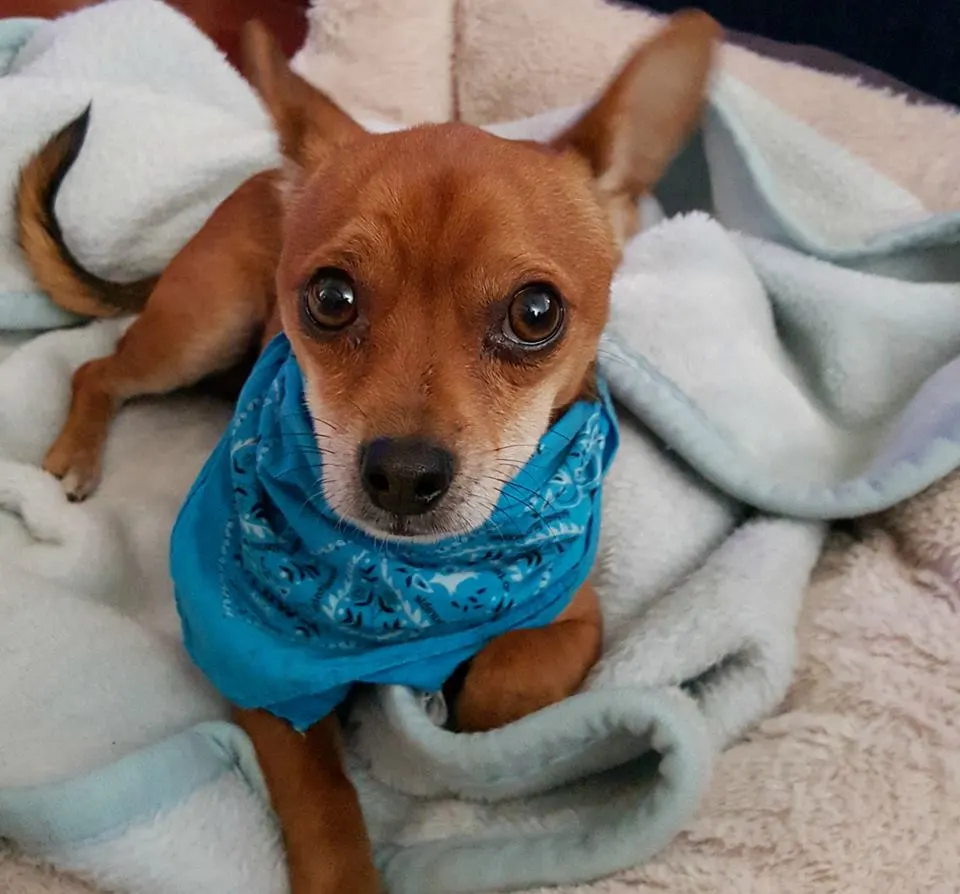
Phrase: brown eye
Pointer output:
(328, 299)
(534, 317)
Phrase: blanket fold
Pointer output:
(174, 130)
(782, 350)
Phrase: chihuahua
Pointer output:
(427, 307)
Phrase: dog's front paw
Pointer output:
(500, 687)
(77, 469)
(480, 712)
(331, 880)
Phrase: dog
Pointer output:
(427, 307)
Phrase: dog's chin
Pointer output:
(430, 527)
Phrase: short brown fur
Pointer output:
(436, 226)
(56, 270)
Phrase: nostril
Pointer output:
(429, 487)
(378, 481)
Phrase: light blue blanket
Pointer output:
(786, 340)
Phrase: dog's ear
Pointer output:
(632, 132)
(309, 124)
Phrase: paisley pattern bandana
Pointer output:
(284, 605)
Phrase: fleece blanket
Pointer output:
(176, 129)
(718, 348)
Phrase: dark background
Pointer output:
(916, 41)
(221, 20)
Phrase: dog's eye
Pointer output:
(328, 299)
(534, 317)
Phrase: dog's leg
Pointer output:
(328, 850)
(200, 320)
(150, 359)
(526, 670)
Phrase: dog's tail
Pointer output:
(69, 284)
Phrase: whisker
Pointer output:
(545, 504)
(320, 468)
(357, 406)
(507, 447)
(300, 442)
(294, 414)
(527, 503)
(327, 423)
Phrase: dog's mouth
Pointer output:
(450, 518)
(411, 489)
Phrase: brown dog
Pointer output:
(438, 286)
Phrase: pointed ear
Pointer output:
(631, 134)
(309, 124)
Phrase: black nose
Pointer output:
(405, 476)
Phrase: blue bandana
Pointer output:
(284, 605)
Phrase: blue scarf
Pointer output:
(284, 605)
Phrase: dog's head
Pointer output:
(444, 290)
